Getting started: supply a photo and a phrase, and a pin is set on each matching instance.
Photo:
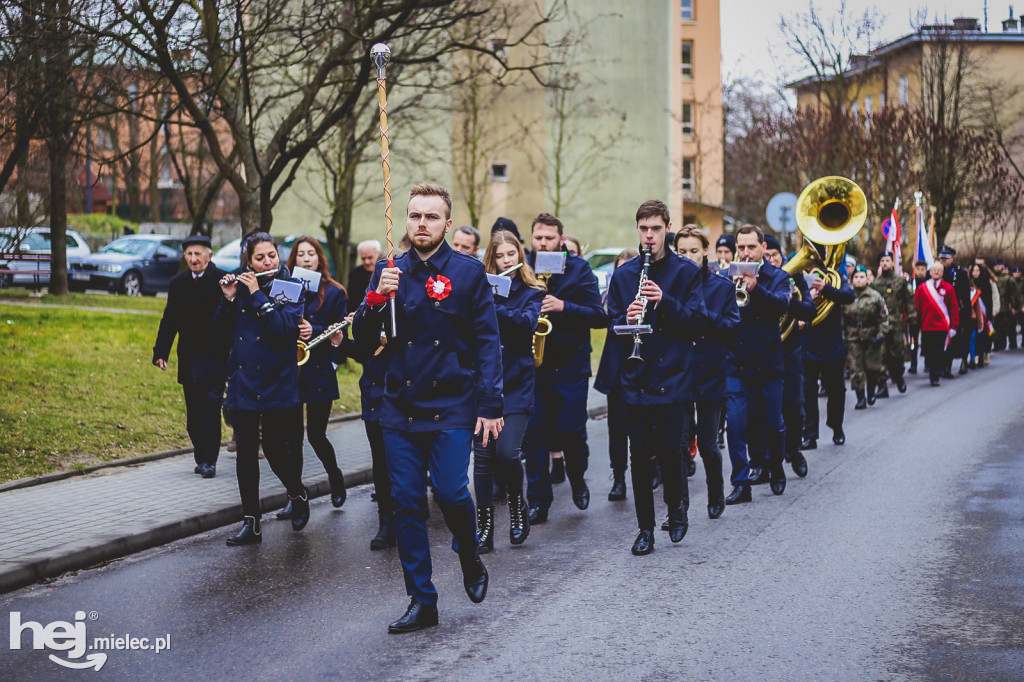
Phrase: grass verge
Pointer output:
(78, 387)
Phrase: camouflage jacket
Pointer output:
(1009, 292)
(867, 317)
(899, 299)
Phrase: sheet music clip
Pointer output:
(549, 263)
(500, 284)
(310, 278)
(630, 329)
(283, 291)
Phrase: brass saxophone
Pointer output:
(544, 328)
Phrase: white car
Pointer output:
(35, 240)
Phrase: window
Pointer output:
(688, 110)
(687, 59)
(686, 10)
(688, 163)
(498, 48)
(169, 250)
(904, 91)
(499, 172)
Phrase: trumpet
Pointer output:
(304, 347)
(742, 295)
(634, 361)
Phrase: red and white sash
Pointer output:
(940, 303)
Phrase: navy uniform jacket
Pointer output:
(318, 378)
(444, 369)
(188, 315)
(567, 348)
(712, 346)
(804, 310)
(757, 351)
(825, 340)
(263, 370)
(371, 381)
(517, 321)
(961, 283)
(665, 376)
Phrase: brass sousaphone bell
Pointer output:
(830, 212)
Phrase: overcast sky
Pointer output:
(750, 44)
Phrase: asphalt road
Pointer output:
(899, 557)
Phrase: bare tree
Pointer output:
(833, 47)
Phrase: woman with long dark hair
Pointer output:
(517, 321)
(979, 342)
(263, 381)
(318, 379)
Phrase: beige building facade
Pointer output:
(639, 117)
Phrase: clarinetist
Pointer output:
(656, 390)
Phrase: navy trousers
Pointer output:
(708, 417)
(503, 454)
(657, 430)
(446, 455)
(618, 441)
(753, 403)
(558, 423)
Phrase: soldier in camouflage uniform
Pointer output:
(865, 322)
(899, 300)
(1010, 299)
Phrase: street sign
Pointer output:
(781, 212)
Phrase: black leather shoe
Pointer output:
(691, 467)
(618, 491)
(485, 528)
(963, 368)
(287, 512)
(799, 463)
(934, 381)
(538, 515)
(862, 401)
(250, 533)
(912, 370)
(882, 391)
(338, 492)
(901, 385)
(581, 495)
(838, 437)
(778, 480)
(198, 469)
(677, 525)
(809, 444)
(385, 537)
(644, 543)
(664, 524)
(557, 469)
(716, 507)
(758, 476)
(209, 471)
(739, 494)
(417, 617)
(948, 374)
(474, 576)
(300, 510)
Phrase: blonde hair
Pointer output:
(490, 259)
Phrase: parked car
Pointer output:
(139, 264)
(229, 257)
(35, 240)
(599, 257)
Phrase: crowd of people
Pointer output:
(486, 363)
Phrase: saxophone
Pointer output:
(544, 328)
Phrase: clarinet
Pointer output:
(634, 361)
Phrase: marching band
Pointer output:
(489, 363)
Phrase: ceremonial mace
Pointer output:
(380, 54)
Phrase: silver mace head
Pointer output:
(380, 55)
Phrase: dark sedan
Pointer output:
(139, 264)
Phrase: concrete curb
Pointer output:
(119, 546)
(28, 482)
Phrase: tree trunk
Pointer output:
(154, 180)
(58, 145)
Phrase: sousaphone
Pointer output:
(830, 212)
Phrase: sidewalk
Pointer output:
(48, 529)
